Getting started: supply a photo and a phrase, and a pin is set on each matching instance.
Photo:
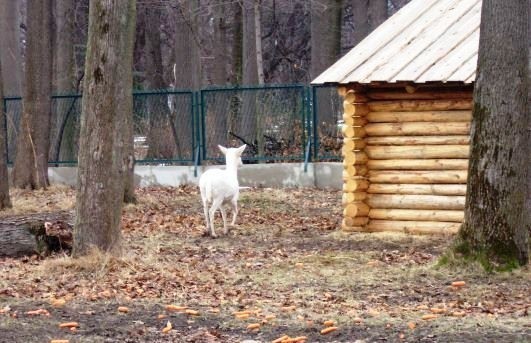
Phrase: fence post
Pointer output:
(5, 128)
(196, 129)
(306, 121)
(315, 121)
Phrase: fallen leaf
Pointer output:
(161, 316)
(429, 316)
(280, 339)
(167, 328)
(437, 310)
(57, 302)
(253, 326)
(328, 323)
(175, 308)
(192, 312)
(69, 325)
(411, 325)
(458, 314)
(328, 330)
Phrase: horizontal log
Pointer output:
(423, 116)
(419, 164)
(354, 121)
(416, 176)
(354, 157)
(355, 185)
(351, 144)
(417, 128)
(419, 94)
(349, 197)
(428, 215)
(413, 227)
(354, 171)
(420, 105)
(357, 221)
(388, 152)
(418, 140)
(356, 209)
(412, 202)
(346, 228)
(354, 109)
(420, 189)
(353, 131)
(355, 97)
(344, 89)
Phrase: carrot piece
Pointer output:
(458, 283)
(328, 330)
(328, 323)
(69, 325)
(253, 326)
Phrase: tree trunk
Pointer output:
(377, 13)
(497, 222)
(4, 181)
(100, 186)
(10, 42)
(30, 169)
(27, 234)
(64, 81)
(160, 147)
(325, 34)
(187, 67)
(220, 44)
(360, 17)
(124, 114)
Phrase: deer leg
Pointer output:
(205, 210)
(234, 205)
(215, 205)
(224, 216)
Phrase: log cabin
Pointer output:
(407, 92)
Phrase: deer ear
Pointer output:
(241, 149)
(223, 149)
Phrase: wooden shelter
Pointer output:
(407, 91)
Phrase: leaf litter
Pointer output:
(284, 270)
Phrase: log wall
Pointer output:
(405, 158)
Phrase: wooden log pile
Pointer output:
(405, 158)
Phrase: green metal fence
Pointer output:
(292, 123)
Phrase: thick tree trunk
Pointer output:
(124, 114)
(30, 169)
(187, 65)
(360, 17)
(220, 44)
(325, 34)
(27, 235)
(100, 186)
(377, 13)
(4, 181)
(10, 47)
(497, 222)
(160, 147)
(64, 82)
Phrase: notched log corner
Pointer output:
(40, 233)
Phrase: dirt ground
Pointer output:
(285, 266)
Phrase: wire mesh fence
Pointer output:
(278, 123)
(327, 108)
(269, 119)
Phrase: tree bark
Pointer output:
(5, 201)
(497, 222)
(124, 112)
(325, 34)
(30, 169)
(27, 235)
(377, 13)
(220, 46)
(64, 81)
(100, 185)
(360, 17)
(10, 54)
(160, 118)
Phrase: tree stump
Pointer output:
(39, 233)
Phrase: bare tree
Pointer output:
(377, 13)
(325, 34)
(100, 187)
(4, 181)
(63, 122)
(360, 19)
(497, 220)
(30, 169)
(10, 54)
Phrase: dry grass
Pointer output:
(55, 198)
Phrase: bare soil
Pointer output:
(286, 263)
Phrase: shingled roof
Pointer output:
(427, 40)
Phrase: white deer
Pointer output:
(219, 187)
